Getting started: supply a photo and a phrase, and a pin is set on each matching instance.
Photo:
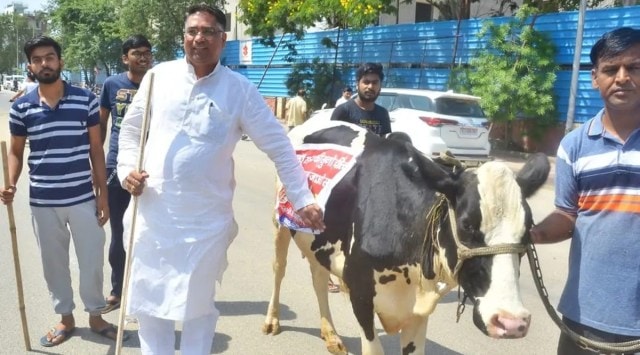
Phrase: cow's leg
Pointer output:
(413, 336)
(320, 277)
(282, 239)
(363, 310)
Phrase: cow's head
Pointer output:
(490, 209)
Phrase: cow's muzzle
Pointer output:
(506, 326)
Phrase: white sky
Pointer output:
(31, 4)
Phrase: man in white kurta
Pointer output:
(185, 221)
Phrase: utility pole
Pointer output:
(573, 91)
(17, 49)
(15, 27)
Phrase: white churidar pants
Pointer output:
(157, 335)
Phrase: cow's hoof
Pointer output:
(337, 349)
(334, 343)
(271, 328)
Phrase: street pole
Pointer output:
(575, 69)
(17, 50)
(15, 26)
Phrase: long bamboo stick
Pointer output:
(16, 257)
(127, 266)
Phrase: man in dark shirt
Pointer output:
(363, 110)
(115, 97)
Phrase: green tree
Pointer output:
(514, 74)
(88, 34)
(315, 78)
(265, 18)
(159, 20)
(14, 32)
(560, 5)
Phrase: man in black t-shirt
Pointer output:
(363, 110)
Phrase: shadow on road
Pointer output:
(244, 308)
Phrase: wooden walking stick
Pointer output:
(16, 257)
(134, 209)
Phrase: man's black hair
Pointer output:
(41, 41)
(369, 68)
(219, 15)
(135, 41)
(347, 89)
(613, 43)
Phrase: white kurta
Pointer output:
(185, 219)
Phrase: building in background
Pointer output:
(15, 7)
(36, 21)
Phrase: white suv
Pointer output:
(436, 121)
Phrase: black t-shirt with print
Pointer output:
(376, 121)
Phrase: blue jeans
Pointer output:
(118, 202)
(566, 346)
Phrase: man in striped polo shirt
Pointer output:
(68, 198)
(598, 202)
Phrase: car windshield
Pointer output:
(394, 101)
(458, 107)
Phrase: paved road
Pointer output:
(245, 291)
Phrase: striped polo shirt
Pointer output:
(59, 166)
(598, 180)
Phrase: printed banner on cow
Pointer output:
(325, 165)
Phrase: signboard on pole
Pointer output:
(246, 52)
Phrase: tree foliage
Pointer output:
(461, 9)
(265, 18)
(87, 32)
(316, 79)
(515, 73)
(92, 31)
(545, 6)
(160, 20)
(14, 32)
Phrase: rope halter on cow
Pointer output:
(463, 252)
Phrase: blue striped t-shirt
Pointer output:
(59, 167)
(598, 180)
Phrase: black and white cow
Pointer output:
(395, 263)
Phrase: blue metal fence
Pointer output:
(419, 55)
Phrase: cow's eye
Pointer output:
(467, 226)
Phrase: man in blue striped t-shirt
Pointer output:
(598, 203)
(68, 198)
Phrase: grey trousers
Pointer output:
(54, 228)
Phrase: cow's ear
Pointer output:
(533, 174)
(422, 169)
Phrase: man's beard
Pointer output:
(48, 79)
(366, 99)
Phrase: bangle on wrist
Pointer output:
(13, 187)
